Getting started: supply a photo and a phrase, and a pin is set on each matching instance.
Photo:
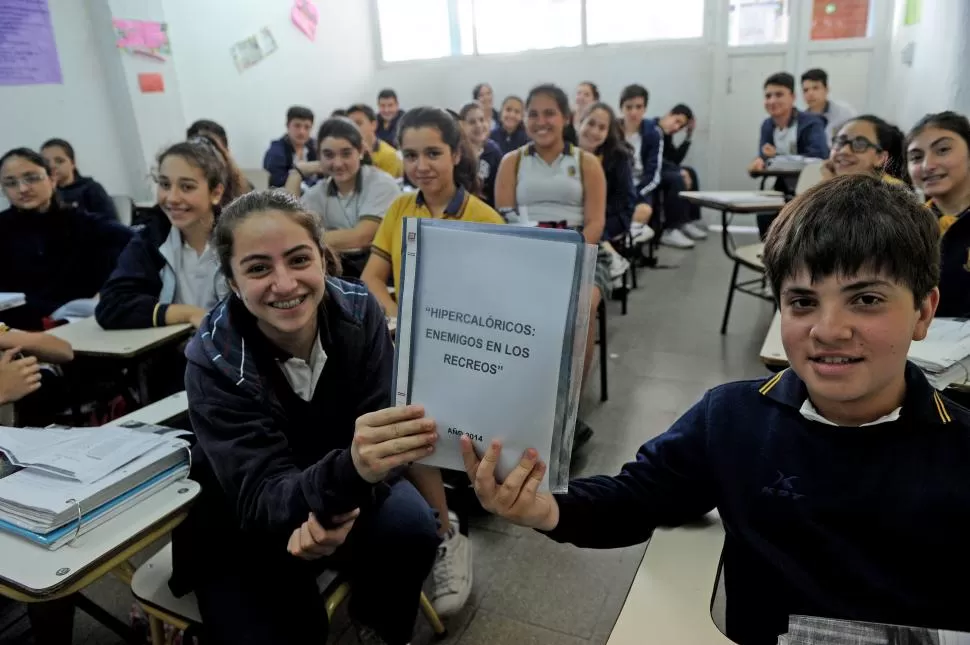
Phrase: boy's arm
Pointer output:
(651, 153)
(47, 348)
(669, 484)
(277, 165)
(812, 140)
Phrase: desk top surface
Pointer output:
(36, 571)
(776, 172)
(160, 412)
(737, 201)
(89, 339)
(669, 601)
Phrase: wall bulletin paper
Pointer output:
(28, 53)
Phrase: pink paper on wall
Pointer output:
(142, 37)
(305, 16)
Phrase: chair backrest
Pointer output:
(125, 207)
(810, 175)
(258, 177)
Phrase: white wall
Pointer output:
(938, 78)
(79, 110)
(332, 71)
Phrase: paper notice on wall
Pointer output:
(28, 54)
(151, 83)
(305, 16)
(145, 37)
(250, 51)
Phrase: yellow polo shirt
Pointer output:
(387, 241)
(384, 156)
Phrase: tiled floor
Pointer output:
(529, 590)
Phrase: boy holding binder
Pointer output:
(841, 482)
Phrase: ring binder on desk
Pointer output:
(80, 518)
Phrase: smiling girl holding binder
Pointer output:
(441, 164)
(298, 459)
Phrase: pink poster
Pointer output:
(305, 17)
(145, 37)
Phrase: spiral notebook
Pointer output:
(491, 335)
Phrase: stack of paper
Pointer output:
(790, 162)
(944, 355)
(9, 300)
(812, 630)
(56, 475)
(496, 352)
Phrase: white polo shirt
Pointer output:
(303, 376)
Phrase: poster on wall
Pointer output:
(250, 51)
(913, 12)
(28, 53)
(143, 37)
(305, 16)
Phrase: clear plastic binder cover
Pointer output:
(572, 376)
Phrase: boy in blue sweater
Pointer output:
(842, 481)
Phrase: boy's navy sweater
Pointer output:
(129, 297)
(621, 197)
(507, 142)
(811, 134)
(279, 159)
(488, 164)
(264, 457)
(651, 157)
(862, 523)
(954, 267)
(388, 133)
(55, 257)
(90, 197)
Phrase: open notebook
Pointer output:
(491, 334)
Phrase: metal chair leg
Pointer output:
(157, 630)
(730, 297)
(604, 354)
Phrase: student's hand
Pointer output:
(389, 438)
(195, 318)
(18, 376)
(309, 167)
(768, 150)
(828, 169)
(517, 498)
(690, 127)
(312, 541)
(688, 182)
(756, 165)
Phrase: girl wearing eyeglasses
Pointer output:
(53, 253)
(938, 153)
(867, 145)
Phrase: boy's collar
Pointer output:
(922, 402)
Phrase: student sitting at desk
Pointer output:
(169, 273)
(938, 150)
(867, 145)
(559, 185)
(382, 154)
(55, 254)
(299, 462)
(841, 482)
(646, 139)
(22, 374)
(293, 150)
(788, 131)
(352, 200)
(510, 133)
(601, 134)
(487, 152)
(440, 163)
(83, 193)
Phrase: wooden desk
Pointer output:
(90, 340)
(670, 599)
(787, 173)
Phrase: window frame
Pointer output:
(704, 39)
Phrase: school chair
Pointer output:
(604, 352)
(125, 207)
(810, 175)
(749, 257)
(149, 585)
(258, 177)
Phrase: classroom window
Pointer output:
(757, 22)
(415, 29)
(835, 19)
(508, 26)
(623, 21)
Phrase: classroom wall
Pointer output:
(80, 110)
(938, 77)
(332, 71)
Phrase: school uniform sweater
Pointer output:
(488, 163)
(651, 158)
(621, 196)
(509, 141)
(860, 523)
(954, 263)
(279, 159)
(673, 154)
(145, 281)
(387, 132)
(90, 196)
(265, 457)
(55, 257)
(810, 135)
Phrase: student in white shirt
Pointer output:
(815, 90)
(168, 273)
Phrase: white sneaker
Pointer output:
(641, 233)
(675, 237)
(451, 575)
(694, 231)
(618, 265)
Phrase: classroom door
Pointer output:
(743, 113)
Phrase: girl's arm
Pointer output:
(505, 182)
(46, 347)
(293, 182)
(375, 276)
(594, 199)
